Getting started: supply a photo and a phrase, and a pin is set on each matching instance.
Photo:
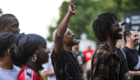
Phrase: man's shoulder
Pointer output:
(17, 68)
(102, 51)
(126, 50)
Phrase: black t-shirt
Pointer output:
(67, 67)
(133, 60)
(124, 65)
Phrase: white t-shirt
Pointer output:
(48, 67)
(9, 74)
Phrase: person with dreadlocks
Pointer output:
(105, 61)
(31, 52)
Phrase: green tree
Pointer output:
(88, 10)
(0, 11)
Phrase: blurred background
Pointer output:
(44, 16)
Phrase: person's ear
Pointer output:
(8, 51)
(127, 38)
(3, 29)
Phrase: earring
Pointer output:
(34, 58)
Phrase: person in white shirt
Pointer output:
(48, 70)
(9, 74)
(8, 71)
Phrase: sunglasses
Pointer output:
(119, 24)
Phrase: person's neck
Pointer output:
(130, 46)
(111, 42)
(33, 65)
(6, 63)
(67, 47)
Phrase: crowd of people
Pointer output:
(22, 56)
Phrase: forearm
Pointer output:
(63, 25)
(48, 73)
(58, 47)
(136, 73)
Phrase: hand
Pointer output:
(84, 75)
(72, 9)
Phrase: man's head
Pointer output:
(107, 25)
(89, 47)
(69, 37)
(119, 43)
(76, 46)
(9, 23)
(131, 37)
(6, 40)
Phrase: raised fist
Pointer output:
(72, 9)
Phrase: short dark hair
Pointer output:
(4, 18)
(102, 25)
(127, 33)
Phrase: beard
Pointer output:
(136, 43)
(115, 37)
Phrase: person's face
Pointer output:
(119, 43)
(89, 47)
(12, 26)
(43, 52)
(134, 38)
(116, 31)
(69, 37)
(76, 46)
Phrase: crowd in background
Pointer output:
(22, 56)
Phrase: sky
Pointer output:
(34, 15)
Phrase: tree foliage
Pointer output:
(0, 11)
(88, 11)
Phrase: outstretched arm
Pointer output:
(136, 73)
(58, 47)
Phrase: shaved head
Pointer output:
(54, 33)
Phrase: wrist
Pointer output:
(70, 13)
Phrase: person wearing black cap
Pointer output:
(9, 23)
(31, 52)
(8, 71)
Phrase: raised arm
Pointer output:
(58, 47)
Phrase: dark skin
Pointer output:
(111, 40)
(64, 36)
(42, 56)
(11, 26)
(6, 61)
(114, 34)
